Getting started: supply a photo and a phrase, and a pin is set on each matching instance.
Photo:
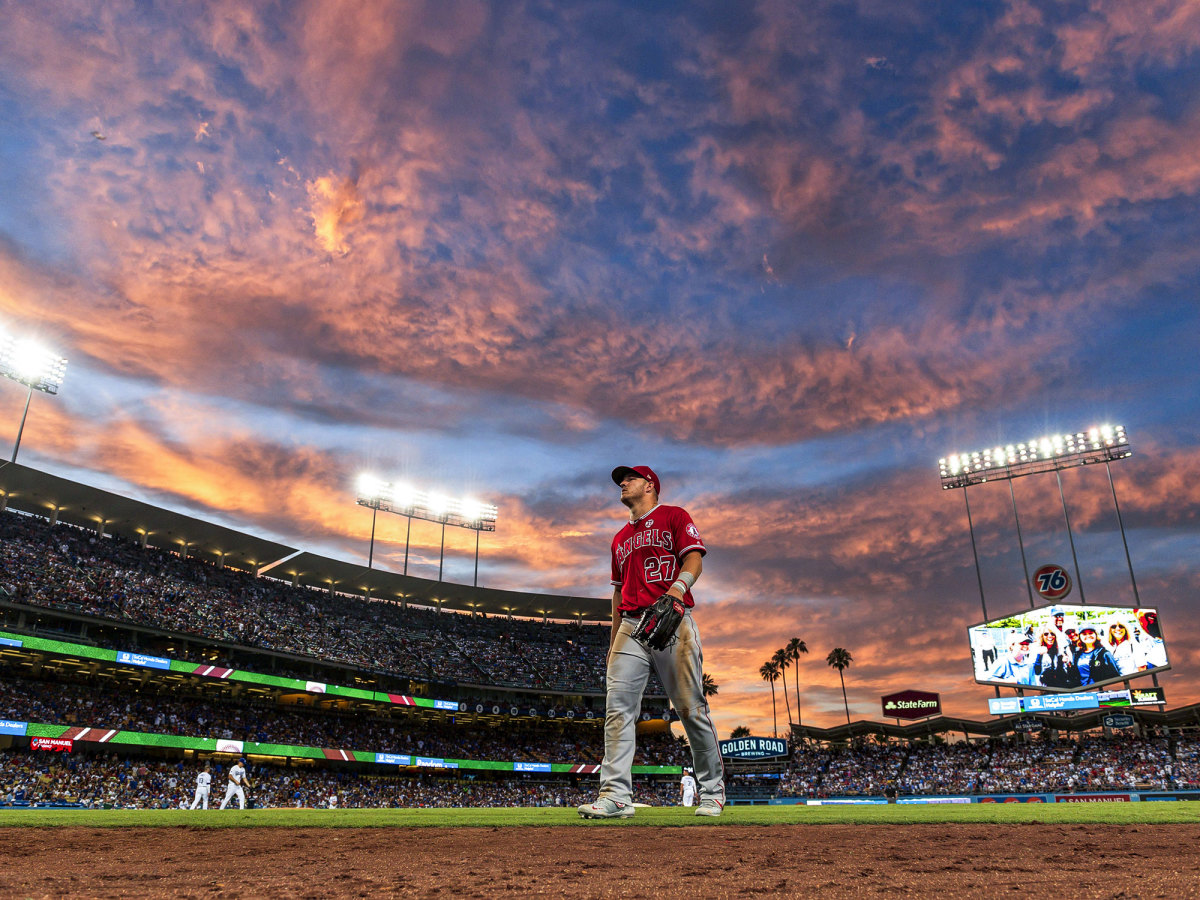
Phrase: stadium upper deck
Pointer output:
(61, 500)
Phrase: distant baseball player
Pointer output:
(658, 552)
(687, 788)
(203, 781)
(238, 782)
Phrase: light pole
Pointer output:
(406, 501)
(1102, 444)
(29, 363)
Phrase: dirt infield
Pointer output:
(1075, 861)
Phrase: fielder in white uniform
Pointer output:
(238, 782)
(687, 789)
(203, 780)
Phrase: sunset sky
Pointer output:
(788, 254)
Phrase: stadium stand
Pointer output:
(75, 571)
(110, 592)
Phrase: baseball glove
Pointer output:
(656, 628)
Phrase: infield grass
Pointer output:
(1177, 813)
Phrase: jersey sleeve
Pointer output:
(616, 568)
(686, 534)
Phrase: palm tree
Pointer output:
(840, 659)
(770, 672)
(739, 732)
(794, 648)
(709, 686)
(782, 660)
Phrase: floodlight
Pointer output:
(403, 500)
(371, 487)
(32, 364)
(404, 496)
(1102, 443)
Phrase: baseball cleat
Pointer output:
(604, 808)
(710, 807)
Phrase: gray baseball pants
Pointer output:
(680, 669)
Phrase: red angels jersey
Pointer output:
(646, 555)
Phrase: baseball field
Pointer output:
(1074, 850)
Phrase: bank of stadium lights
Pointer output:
(1103, 443)
(406, 500)
(28, 362)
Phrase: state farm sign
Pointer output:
(911, 705)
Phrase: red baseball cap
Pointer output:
(641, 471)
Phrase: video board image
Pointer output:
(1068, 648)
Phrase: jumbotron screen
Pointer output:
(1068, 648)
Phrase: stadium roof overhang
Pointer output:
(74, 503)
(84, 506)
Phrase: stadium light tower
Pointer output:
(1103, 443)
(1100, 444)
(27, 362)
(404, 500)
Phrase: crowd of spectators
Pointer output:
(1092, 764)
(1088, 763)
(109, 781)
(165, 708)
(945, 768)
(66, 568)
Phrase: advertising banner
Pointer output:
(1058, 702)
(57, 745)
(9, 726)
(848, 801)
(141, 659)
(1149, 696)
(393, 759)
(1066, 648)
(911, 705)
(1118, 720)
(1093, 798)
(754, 748)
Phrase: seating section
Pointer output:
(108, 780)
(1090, 763)
(164, 709)
(73, 570)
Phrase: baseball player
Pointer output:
(687, 788)
(203, 781)
(659, 550)
(238, 782)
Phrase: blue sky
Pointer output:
(787, 255)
